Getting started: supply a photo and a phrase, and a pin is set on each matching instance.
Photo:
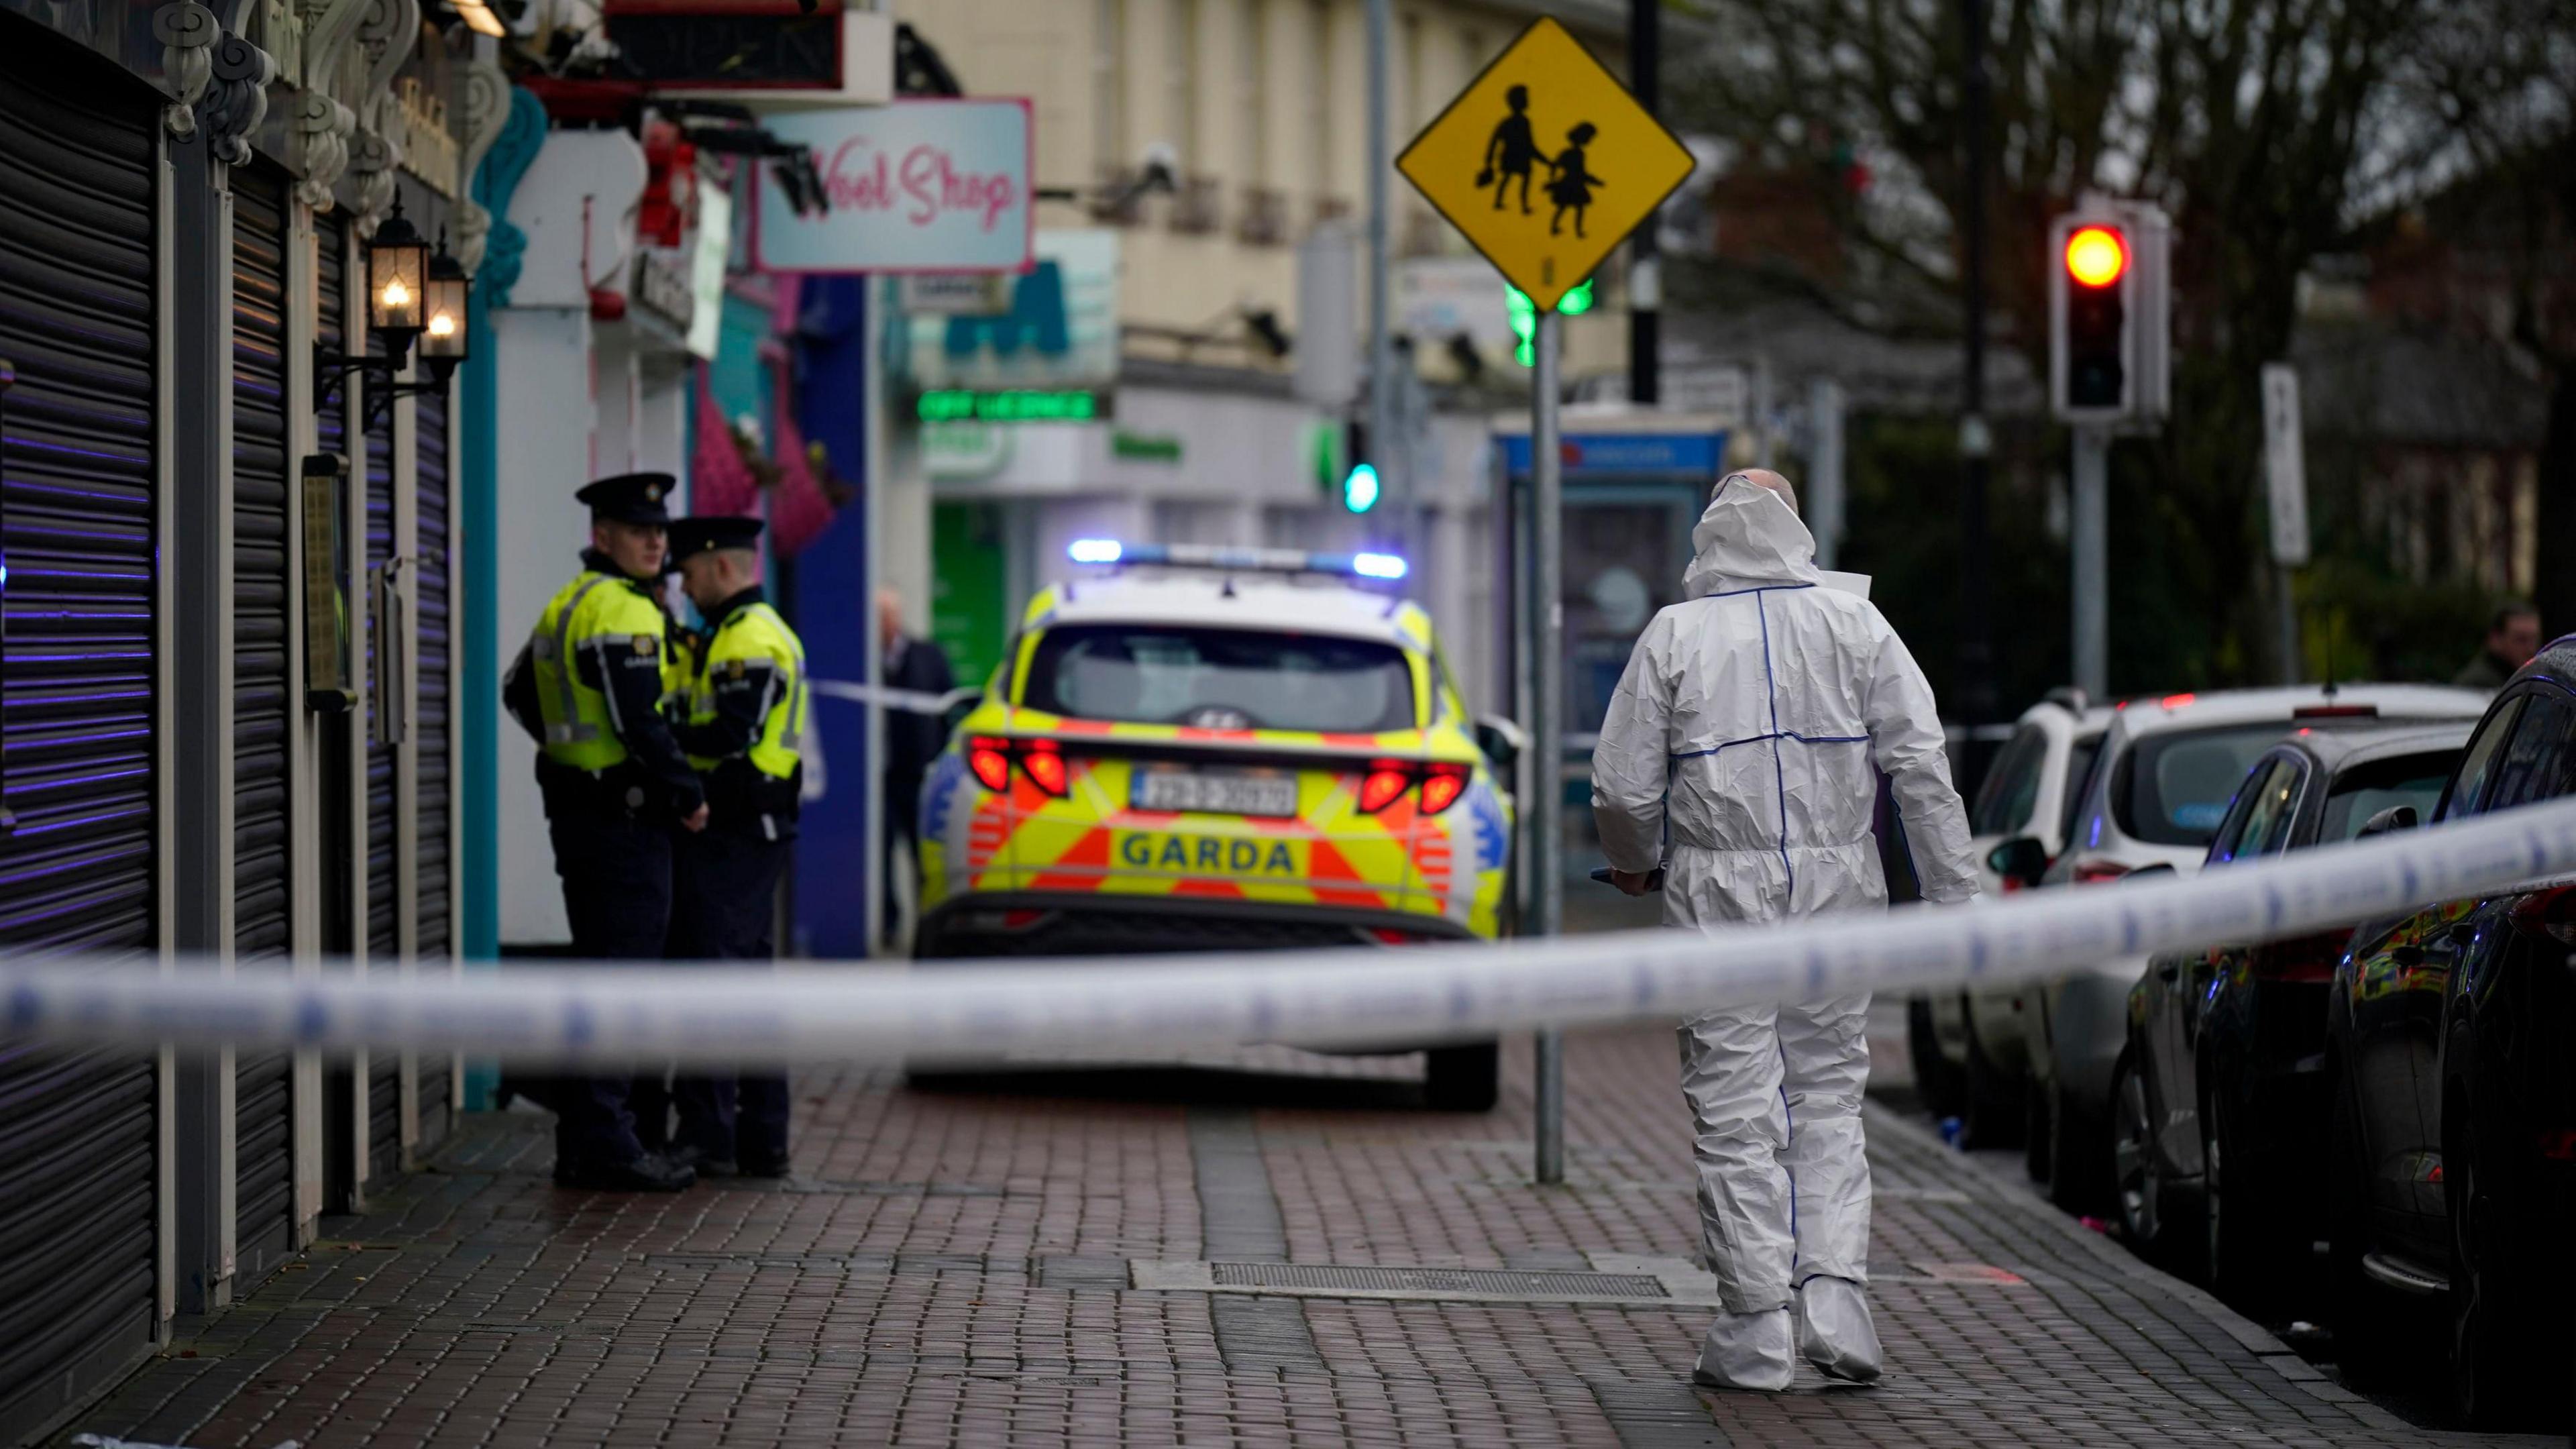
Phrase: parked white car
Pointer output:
(2167, 771)
(1972, 1047)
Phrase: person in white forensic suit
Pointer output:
(1740, 756)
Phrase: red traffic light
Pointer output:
(2097, 256)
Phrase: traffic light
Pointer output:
(1524, 315)
(1359, 489)
(2097, 318)
(1359, 485)
(2108, 313)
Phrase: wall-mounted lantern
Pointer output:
(412, 296)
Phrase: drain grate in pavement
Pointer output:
(1496, 1282)
(1615, 1279)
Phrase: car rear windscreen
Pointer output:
(2011, 785)
(2175, 786)
(2079, 781)
(2364, 790)
(1221, 678)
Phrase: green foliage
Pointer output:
(2257, 124)
(2361, 622)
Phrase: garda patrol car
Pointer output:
(1221, 749)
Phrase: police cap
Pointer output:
(630, 498)
(693, 536)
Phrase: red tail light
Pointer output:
(1442, 787)
(990, 760)
(1386, 783)
(1044, 765)
(1387, 780)
(1041, 760)
(2094, 872)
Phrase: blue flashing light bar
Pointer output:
(1385, 566)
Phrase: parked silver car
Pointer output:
(2167, 772)
(1972, 1047)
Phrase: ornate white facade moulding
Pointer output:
(238, 100)
(487, 111)
(386, 32)
(217, 79)
(323, 123)
(187, 32)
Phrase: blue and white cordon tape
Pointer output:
(1354, 997)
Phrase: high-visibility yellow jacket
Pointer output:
(745, 725)
(588, 686)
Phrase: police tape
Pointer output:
(910, 701)
(1354, 997)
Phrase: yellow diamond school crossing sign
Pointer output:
(1545, 162)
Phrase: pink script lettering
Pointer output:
(924, 185)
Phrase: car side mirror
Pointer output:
(2161, 870)
(2389, 821)
(1501, 741)
(2021, 859)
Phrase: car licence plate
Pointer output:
(1210, 792)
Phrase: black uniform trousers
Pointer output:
(724, 908)
(616, 870)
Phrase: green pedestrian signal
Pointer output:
(1524, 314)
(1359, 489)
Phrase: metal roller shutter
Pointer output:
(263, 1108)
(384, 1115)
(383, 940)
(431, 940)
(339, 931)
(77, 477)
(437, 1090)
(384, 943)
(436, 684)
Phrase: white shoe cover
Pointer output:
(1835, 1333)
(1748, 1351)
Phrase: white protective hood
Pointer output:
(1747, 537)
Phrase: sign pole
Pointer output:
(1645, 268)
(2092, 560)
(1386, 449)
(1547, 732)
(1546, 163)
(2285, 476)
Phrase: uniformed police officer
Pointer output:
(745, 722)
(588, 685)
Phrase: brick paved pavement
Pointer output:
(954, 1268)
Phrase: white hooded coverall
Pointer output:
(1738, 754)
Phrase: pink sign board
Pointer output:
(917, 186)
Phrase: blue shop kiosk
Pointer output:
(1634, 483)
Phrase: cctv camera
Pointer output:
(1162, 167)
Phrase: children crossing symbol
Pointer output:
(1545, 162)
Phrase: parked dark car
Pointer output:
(2219, 1105)
(2451, 1049)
